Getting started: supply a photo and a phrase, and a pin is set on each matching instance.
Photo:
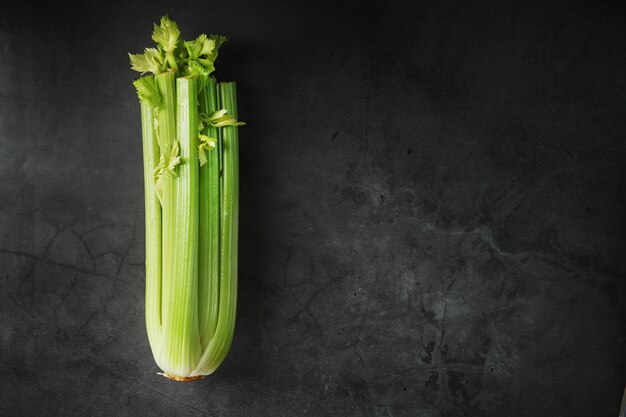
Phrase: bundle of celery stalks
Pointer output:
(191, 180)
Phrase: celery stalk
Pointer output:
(153, 227)
(217, 349)
(208, 247)
(166, 128)
(181, 337)
(166, 134)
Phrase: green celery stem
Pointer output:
(208, 245)
(171, 60)
(182, 336)
(153, 228)
(219, 345)
(166, 134)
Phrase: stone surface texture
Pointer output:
(433, 204)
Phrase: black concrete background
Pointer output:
(432, 210)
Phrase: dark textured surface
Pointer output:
(432, 211)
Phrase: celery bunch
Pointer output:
(191, 181)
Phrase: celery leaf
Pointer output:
(166, 34)
(148, 91)
(206, 143)
(150, 61)
(221, 118)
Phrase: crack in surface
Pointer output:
(132, 242)
(82, 240)
(484, 232)
(357, 347)
(35, 260)
(441, 399)
(59, 264)
(56, 399)
(49, 261)
(19, 213)
(441, 358)
(315, 294)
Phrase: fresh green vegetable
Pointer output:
(191, 181)
(209, 266)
